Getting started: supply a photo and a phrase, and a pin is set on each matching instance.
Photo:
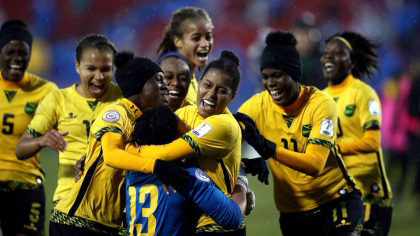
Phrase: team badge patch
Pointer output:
(374, 109)
(201, 175)
(30, 108)
(201, 130)
(349, 111)
(327, 127)
(111, 116)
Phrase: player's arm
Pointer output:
(370, 142)
(40, 132)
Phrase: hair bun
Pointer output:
(280, 38)
(228, 55)
(122, 58)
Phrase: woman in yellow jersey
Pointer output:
(312, 190)
(94, 205)
(214, 142)
(189, 32)
(22, 197)
(63, 119)
(176, 79)
(347, 58)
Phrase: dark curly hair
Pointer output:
(363, 55)
(98, 41)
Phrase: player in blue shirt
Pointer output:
(150, 210)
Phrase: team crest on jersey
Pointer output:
(306, 130)
(349, 111)
(30, 108)
(201, 175)
(327, 127)
(201, 130)
(374, 109)
(111, 116)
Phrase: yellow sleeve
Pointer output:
(45, 117)
(311, 162)
(370, 110)
(370, 142)
(111, 119)
(324, 122)
(178, 149)
(251, 108)
(115, 156)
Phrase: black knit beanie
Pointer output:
(14, 30)
(133, 72)
(281, 53)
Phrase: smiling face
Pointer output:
(336, 61)
(214, 93)
(282, 88)
(95, 70)
(196, 41)
(176, 79)
(14, 59)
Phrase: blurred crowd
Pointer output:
(241, 26)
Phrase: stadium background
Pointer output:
(240, 26)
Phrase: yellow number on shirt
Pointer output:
(147, 191)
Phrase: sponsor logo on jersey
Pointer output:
(327, 127)
(71, 115)
(30, 108)
(349, 111)
(201, 175)
(306, 130)
(201, 130)
(111, 116)
(374, 109)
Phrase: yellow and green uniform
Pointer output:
(99, 195)
(191, 98)
(216, 142)
(310, 120)
(359, 111)
(18, 102)
(67, 110)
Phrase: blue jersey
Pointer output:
(151, 211)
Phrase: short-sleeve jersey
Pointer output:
(216, 141)
(191, 98)
(99, 195)
(310, 120)
(359, 110)
(18, 102)
(67, 110)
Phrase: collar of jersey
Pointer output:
(81, 96)
(132, 107)
(14, 85)
(296, 105)
(334, 89)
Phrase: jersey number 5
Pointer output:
(150, 192)
(7, 125)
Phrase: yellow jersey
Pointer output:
(359, 110)
(216, 141)
(191, 98)
(99, 195)
(67, 110)
(18, 102)
(309, 120)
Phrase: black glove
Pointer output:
(257, 166)
(171, 173)
(250, 133)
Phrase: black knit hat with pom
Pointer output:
(14, 30)
(133, 72)
(281, 53)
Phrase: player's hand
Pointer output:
(257, 166)
(79, 168)
(250, 133)
(172, 174)
(54, 139)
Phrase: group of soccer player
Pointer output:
(160, 153)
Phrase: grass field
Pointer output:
(264, 218)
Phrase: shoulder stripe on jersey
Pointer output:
(226, 177)
(343, 169)
(196, 149)
(85, 185)
(101, 132)
(373, 124)
(33, 132)
(322, 142)
(382, 173)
